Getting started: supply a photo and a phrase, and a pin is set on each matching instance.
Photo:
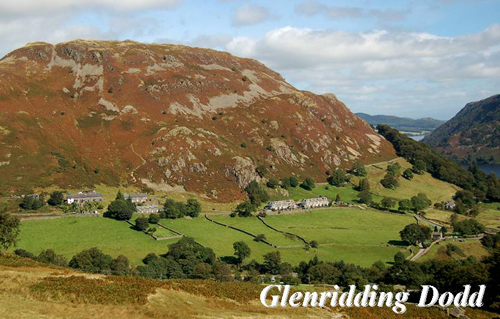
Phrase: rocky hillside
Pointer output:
(165, 116)
(473, 133)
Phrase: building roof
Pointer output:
(84, 195)
(136, 195)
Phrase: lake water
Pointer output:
(417, 137)
(488, 168)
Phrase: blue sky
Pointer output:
(412, 58)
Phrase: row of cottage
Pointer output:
(143, 204)
(306, 203)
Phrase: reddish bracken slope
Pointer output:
(85, 112)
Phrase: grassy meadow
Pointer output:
(357, 236)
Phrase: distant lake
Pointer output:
(417, 137)
(488, 168)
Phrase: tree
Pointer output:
(324, 273)
(419, 167)
(414, 234)
(193, 208)
(56, 198)
(9, 229)
(365, 197)
(91, 260)
(241, 250)
(50, 257)
(119, 209)
(245, 209)
(469, 227)
(272, 183)
(120, 266)
(256, 194)
(466, 197)
(389, 181)
(364, 185)
(173, 209)
(294, 181)
(338, 178)
(202, 271)
(272, 262)
(388, 202)
(408, 174)
(222, 272)
(404, 205)
(142, 223)
(260, 237)
(420, 202)
(337, 198)
(31, 203)
(394, 169)
(154, 218)
(119, 195)
(308, 184)
(314, 244)
(358, 169)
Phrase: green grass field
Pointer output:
(356, 236)
(360, 237)
(71, 235)
(347, 194)
(470, 247)
(436, 190)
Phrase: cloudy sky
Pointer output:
(413, 58)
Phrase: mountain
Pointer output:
(403, 124)
(166, 117)
(473, 133)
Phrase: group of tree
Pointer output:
(256, 196)
(32, 202)
(466, 203)
(416, 203)
(358, 169)
(308, 184)
(56, 198)
(9, 229)
(185, 259)
(390, 179)
(120, 208)
(47, 256)
(415, 234)
(173, 209)
(423, 158)
(338, 179)
(288, 182)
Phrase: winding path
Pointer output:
(135, 169)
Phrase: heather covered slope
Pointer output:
(165, 116)
(474, 132)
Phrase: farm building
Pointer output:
(281, 205)
(148, 208)
(314, 202)
(84, 197)
(437, 235)
(449, 205)
(136, 198)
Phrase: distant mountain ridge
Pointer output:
(474, 133)
(402, 123)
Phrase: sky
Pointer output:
(413, 58)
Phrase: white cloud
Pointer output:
(250, 14)
(383, 67)
(18, 8)
(311, 8)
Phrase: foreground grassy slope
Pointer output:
(31, 290)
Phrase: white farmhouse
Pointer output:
(314, 202)
(281, 205)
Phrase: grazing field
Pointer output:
(71, 235)
(436, 190)
(352, 235)
(470, 247)
(358, 236)
(489, 215)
